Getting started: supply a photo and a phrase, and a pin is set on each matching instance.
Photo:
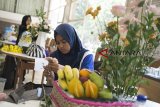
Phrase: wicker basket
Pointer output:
(61, 99)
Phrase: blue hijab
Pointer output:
(77, 51)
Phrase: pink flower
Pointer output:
(128, 18)
(154, 9)
(118, 10)
(135, 3)
(3, 96)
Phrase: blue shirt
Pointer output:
(88, 62)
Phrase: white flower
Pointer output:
(46, 26)
(45, 16)
(36, 25)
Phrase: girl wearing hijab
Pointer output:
(26, 20)
(69, 51)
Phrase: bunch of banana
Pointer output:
(12, 48)
(65, 75)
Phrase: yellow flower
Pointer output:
(156, 21)
(98, 8)
(89, 10)
(112, 23)
(103, 36)
(126, 42)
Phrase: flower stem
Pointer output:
(117, 31)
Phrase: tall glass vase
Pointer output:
(41, 40)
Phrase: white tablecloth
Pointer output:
(35, 103)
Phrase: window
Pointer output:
(22, 6)
(77, 11)
(56, 12)
(85, 25)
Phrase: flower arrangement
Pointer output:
(43, 21)
(128, 44)
(42, 26)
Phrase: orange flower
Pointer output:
(95, 13)
(89, 10)
(122, 38)
(152, 36)
(92, 12)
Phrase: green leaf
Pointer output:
(115, 38)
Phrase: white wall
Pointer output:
(13, 17)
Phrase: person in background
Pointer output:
(69, 51)
(9, 68)
(26, 20)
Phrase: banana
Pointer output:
(63, 84)
(75, 72)
(60, 74)
(68, 72)
(12, 48)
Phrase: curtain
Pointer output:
(7, 5)
(29, 6)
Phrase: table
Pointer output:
(18, 55)
(7, 42)
(36, 103)
(23, 62)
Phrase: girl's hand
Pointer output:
(53, 64)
